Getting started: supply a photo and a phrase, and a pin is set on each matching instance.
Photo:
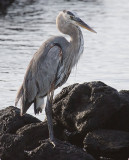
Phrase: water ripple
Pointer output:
(27, 24)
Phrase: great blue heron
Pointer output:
(51, 65)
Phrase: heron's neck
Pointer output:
(76, 45)
(76, 38)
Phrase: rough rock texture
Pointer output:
(120, 119)
(11, 121)
(11, 147)
(38, 132)
(108, 143)
(63, 151)
(25, 138)
(84, 107)
(93, 111)
(81, 108)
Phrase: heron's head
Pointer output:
(67, 18)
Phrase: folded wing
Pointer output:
(40, 76)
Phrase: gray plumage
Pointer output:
(51, 65)
(45, 68)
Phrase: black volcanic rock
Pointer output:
(108, 143)
(92, 110)
(120, 119)
(25, 138)
(11, 121)
(38, 132)
(85, 107)
(11, 147)
(62, 151)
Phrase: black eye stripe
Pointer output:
(70, 13)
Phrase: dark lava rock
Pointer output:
(38, 132)
(11, 121)
(62, 151)
(11, 147)
(120, 119)
(79, 111)
(23, 138)
(32, 134)
(81, 108)
(108, 143)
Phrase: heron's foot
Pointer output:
(53, 142)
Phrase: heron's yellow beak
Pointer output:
(84, 25)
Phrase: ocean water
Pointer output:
(28, 23)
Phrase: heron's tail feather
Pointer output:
(24, 103)
(38, 105)
(19, 95)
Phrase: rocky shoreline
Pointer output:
(91, 122)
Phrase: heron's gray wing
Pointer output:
(40, 75)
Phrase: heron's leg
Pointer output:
(48, 110)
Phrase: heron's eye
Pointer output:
(71, 17)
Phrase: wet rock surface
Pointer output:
(90, 120)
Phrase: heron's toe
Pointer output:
(53, 142)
